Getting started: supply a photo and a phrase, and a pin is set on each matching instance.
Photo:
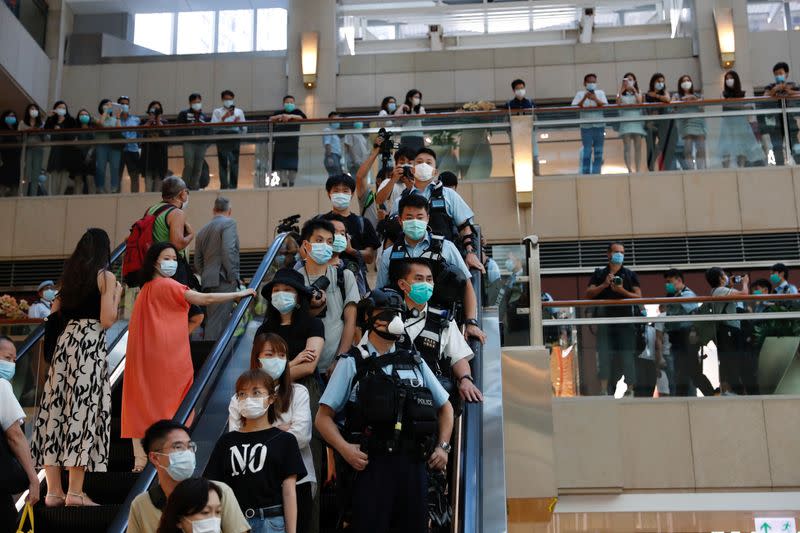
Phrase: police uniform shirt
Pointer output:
(334, 313)
(450, 254)
(340, 388)
(456, 207)
(40, 309)
(785, 288)
(453, 345)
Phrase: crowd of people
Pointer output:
(669, 144)
(668, 356)
(346, 374)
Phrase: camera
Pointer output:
(737, 279)
(288, 224)
(617, 280)
(387, 146)
(408, 172)
(319, 286)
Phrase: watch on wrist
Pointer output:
(472, 322)
(466, 376)
(445, 446)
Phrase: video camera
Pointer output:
(387, 146)
(288, 225)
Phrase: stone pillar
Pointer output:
(710, 68)
(313, 15)
(59, 27)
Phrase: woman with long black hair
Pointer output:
(412, 106)
(194, 505)
(737, 141)
(154, 155)
(33, 119)
(661, 135)
(73, 426)
(62, 159)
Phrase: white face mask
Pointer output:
(423, 172)
(197, 106)
(252, 408)
(185, 204)
(415, 101)
(61, 112)
(396, 326)
(686, 85)
(34, 113)
(227, 103)
(207, 525)
(519, 93)
(729, 83)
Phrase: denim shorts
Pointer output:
(271, 524)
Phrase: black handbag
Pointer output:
(13, 478)
(53, 328)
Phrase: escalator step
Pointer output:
(105, 488)
(120, 456)
(75, 519)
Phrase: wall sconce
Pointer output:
(723, 23)
(309, 50)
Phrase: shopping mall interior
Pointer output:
(617, 177)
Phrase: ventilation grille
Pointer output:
(723, 249)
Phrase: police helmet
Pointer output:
(448, 286)
(382, 299)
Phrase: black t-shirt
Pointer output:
(362, 233)
(297, 333)
(629, 281)
(255, 465)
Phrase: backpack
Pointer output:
(703, 332)
(139, 241)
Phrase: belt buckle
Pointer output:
(249, 513)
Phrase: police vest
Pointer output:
(441, 222)
(433, 254)
(429, 345)
(391, 414)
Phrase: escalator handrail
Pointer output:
(472, 424)
(37, 334)
(219, 355)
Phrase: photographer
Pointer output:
(390, 182)
(616, 343)
(333, 302)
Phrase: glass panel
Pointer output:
(271, 34)
(196, 32)
(154, 31)
(795, 12)
(506, 21)
(235, 32)
(766, 16)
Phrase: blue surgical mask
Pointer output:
(415, 229)
(10, 121)
(289, 107)
(274, 366)
(392, 107)
(125, 108)
(168, 267)
(321, 252)
(227, 103)
(358, 125)
(334, 125)
(339, 243)
(780, 78)
(197, 106)
(341, 200)
(659, 86)
(775, 279)
(617, 258)
(283, 301)
(84, 119)
(181, 465)
(421, 292)
(758, 291)
(591, 86)
(670, 288)
(49, 294)
(7, 369)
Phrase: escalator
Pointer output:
(112, 489)
(476, 501)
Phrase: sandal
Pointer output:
(139, 464)
(60, 499)
(85, 500)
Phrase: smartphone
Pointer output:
(117, 108)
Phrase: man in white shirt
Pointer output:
(433, 332)
(593, 133)
(228, 151)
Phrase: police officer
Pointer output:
(420, 242)
(434, 333)
(398, 421)
(450, 216)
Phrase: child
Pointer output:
(261, 463)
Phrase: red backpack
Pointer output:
(139, 241)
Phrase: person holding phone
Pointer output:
(107, 154)
(592, 133)
(616, 343)
(632, 132)
(228, 151)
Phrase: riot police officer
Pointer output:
(398, 421)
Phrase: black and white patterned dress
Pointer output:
(73, 425)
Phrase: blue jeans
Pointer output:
(111, 155)
(592, 139)
(272, 524)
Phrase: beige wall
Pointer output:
(467, 75)
(259, 82)
(564, 208)
(607, 445)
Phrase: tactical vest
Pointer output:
(390, 414)
(441, 222)
(433, 254)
